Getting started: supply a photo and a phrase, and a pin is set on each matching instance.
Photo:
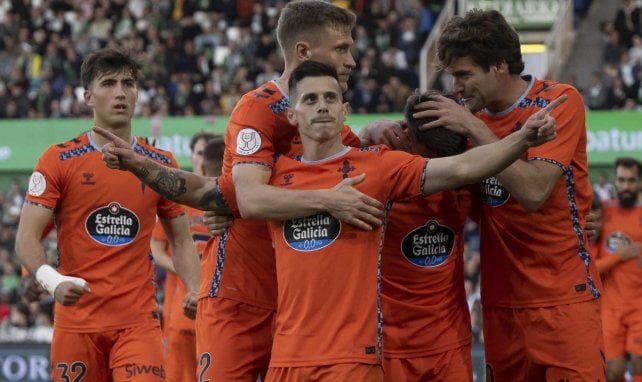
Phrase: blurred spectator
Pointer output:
(595, 94)
(12, 205)
(602, 188)
(616, 96)
(627, 21)
(613, 48)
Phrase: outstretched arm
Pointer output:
(174, 184)
(486, 160)
(530, 182)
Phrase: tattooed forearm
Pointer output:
(142, 173)
(169, 183)
(214, 200)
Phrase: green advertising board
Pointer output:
(610, 134)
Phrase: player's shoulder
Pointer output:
(146, 148)
(550, 89)
(73, 148)
(267, 99)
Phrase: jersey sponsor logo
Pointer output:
(429, 245)
(133, 369)
(493, 193)
(311, 233)
(37, 184)
(616, 240)
(248, 142)
(112, 225)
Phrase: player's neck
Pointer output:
(512, 90)
(122, 132)
(315, 151)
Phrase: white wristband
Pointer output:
(49, 278)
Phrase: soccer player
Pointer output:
(107, 324)
(427, 334)
(620, 266)
(335, 333)
(179, 330)
(237, 297)
(539, 285)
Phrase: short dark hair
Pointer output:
(310, 68)
(483, 35)
(629, 163)
(306, 20)
(213, 156)
(201, 135)
(439, 141)
(108, 61)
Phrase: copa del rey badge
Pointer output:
(248, 141)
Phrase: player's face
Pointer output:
(335, 49)
(196, 158)
(476, 87)
(318, 111)
(113, 98)
(627, 185)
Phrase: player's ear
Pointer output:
(291, 116)
(345, 110)
(302, 51)
(89, 100)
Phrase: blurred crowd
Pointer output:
(615, 84)
(200, 55)
(20, 320)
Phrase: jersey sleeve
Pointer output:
(570, 119)
(251, 133)
(46, 181)
(405, 172)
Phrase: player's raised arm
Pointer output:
(174, 184)
(487, 160)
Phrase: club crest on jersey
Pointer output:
(37, 184)
(112, 225)
(429, 245)
(248, 141)
(312, 232)
(616, 240)
(493, 193)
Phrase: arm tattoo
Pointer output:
(142, 173)
(214, 197)
(169, 183)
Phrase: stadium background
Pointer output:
(200, 56)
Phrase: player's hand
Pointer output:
(31, 289)
(447, 113)
(593, 227)
(351, 206)
(189, 304)
(117, 153)
(69, 292)
(541, 127)
(389, 133)
(216, 223)
(630, 251)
